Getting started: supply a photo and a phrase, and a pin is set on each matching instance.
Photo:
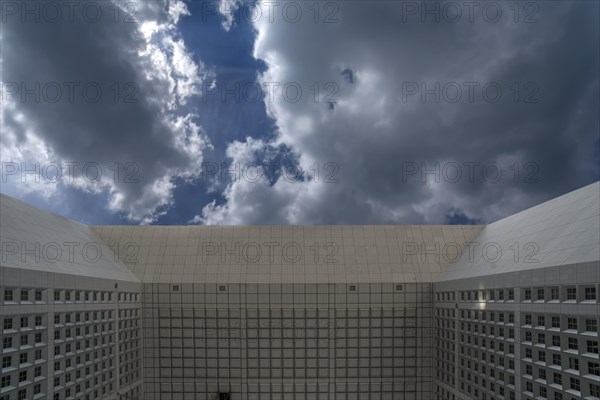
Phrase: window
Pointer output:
(38, 320)
(6, 361)
(5, 381)
(8, 323)
(543, 374)
(575, 384)
(22, 394)
(571, 293)
(556, 340)
(573, 344)
(592, 346)
(590, 293)
(573, 363)
(528, 370)
(527, 294)
(511, 294)
(22, 376)
(8, 295)
(56, 295)
(540, 294)
(24, 322)
(591, 325)
(38, 295)
(554, 293)
(541, 320)
(556, 322)
(37, 372)
(37, 389)
(594, 368)
(556, 359)
(23, 358)
(557, 378)
(572, 323)
(7, 343)
(527, 319)
(594, 390)
(24, 295)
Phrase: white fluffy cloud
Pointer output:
(138, 58)
(376, 130)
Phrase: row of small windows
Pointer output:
(9, 344)
(571, 343)
(24, 322)
(572, 384)
(28, 295)
(577, 324)
(592, 367)
(584, 293)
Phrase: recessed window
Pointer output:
(175, 288)
(24, 295)
(571, 293)
(572, 323)
(590, 293)
(38, 295)
(594, 368)
(575, 384)
(592, 346)
(540, 294)
(8, 295)
(573, 363)
(8, 323)
(6, 362)
(352, 288)
(591, 325)
(221, 288)
(527, 294)
(399, 288)
(555, 293)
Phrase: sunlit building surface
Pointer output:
(507, 310)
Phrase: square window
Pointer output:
(575, 384)
(590, 293)
(592, 346)
(591, 325)
(540, 294)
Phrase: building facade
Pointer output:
(503, 311)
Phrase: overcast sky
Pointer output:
(298, 112)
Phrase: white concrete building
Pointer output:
(504, 311)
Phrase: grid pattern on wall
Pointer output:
(278, 341)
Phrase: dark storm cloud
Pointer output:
(387, 131)
(96, 97)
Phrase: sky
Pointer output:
(297, 112)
